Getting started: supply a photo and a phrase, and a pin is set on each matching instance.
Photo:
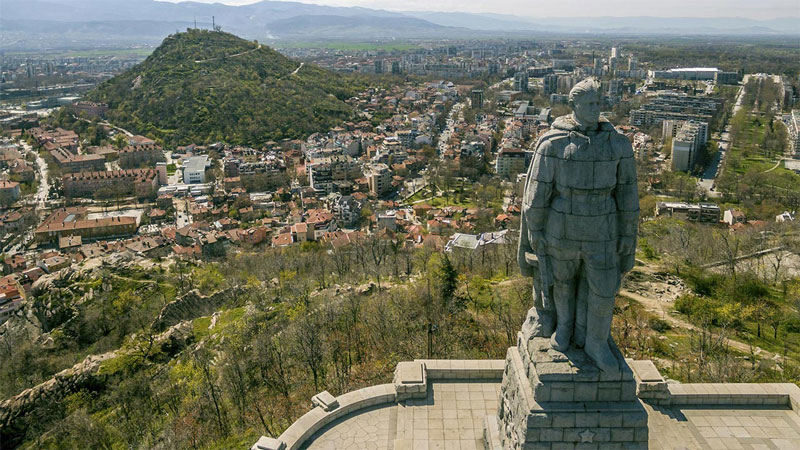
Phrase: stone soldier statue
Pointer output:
(580, 217)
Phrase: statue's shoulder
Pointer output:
(553, 139)
(619, 142)
(552, 143)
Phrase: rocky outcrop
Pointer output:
(190, 306)
(84, 375)
(80, 376)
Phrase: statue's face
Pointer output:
(587, 109)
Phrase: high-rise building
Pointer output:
(477, 98)
(550, 84)
(521, 81)
(686, 145)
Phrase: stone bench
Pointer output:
(650, 385)
(735, 394)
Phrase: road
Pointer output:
(449, 130)
(44, 186)
(182, 210)
(708, 179)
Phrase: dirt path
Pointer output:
(203, 61)
(664, 310)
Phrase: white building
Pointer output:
(687, 143)
(194, 169)
(379, 177)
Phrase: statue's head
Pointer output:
(584, 99)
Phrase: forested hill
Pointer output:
(204, 86)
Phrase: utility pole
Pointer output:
(213, 24)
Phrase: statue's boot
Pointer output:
(598, 331)
(563, 294)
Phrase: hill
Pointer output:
(205, 86)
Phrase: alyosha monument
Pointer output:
(580, 212)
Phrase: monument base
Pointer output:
(552, 400)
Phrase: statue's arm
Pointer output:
(539, 191)
(627, 197)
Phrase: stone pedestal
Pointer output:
(552, 401)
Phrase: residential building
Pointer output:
(90, 108)
(74, 222)
(686, 145)
(71, 162)
(133, 156)
(324, 172)
(346, 210)
(139, 182)
(733, 216)
(512, 161)
(477, 98)
(521, 81)
(672, 105)
(380, 178)
(687, 73)
(9, 192)
(702, 212)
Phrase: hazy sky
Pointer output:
(755, 9)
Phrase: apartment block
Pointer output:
(139, 182)
(672, 105)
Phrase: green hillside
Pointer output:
(204, 86)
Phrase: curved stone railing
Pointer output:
(311, 422)
(410, 381)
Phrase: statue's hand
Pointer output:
(537, 241)
(524, 268)
(626, 249)
(626, 245)
(626, 263)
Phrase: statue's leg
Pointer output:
(564, 286)
(581, 299)
(602, 276)
(598, 330)
(545, 310)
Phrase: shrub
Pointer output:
(659, 325)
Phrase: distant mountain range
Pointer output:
(60, 23)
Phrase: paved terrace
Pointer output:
(444, 405)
